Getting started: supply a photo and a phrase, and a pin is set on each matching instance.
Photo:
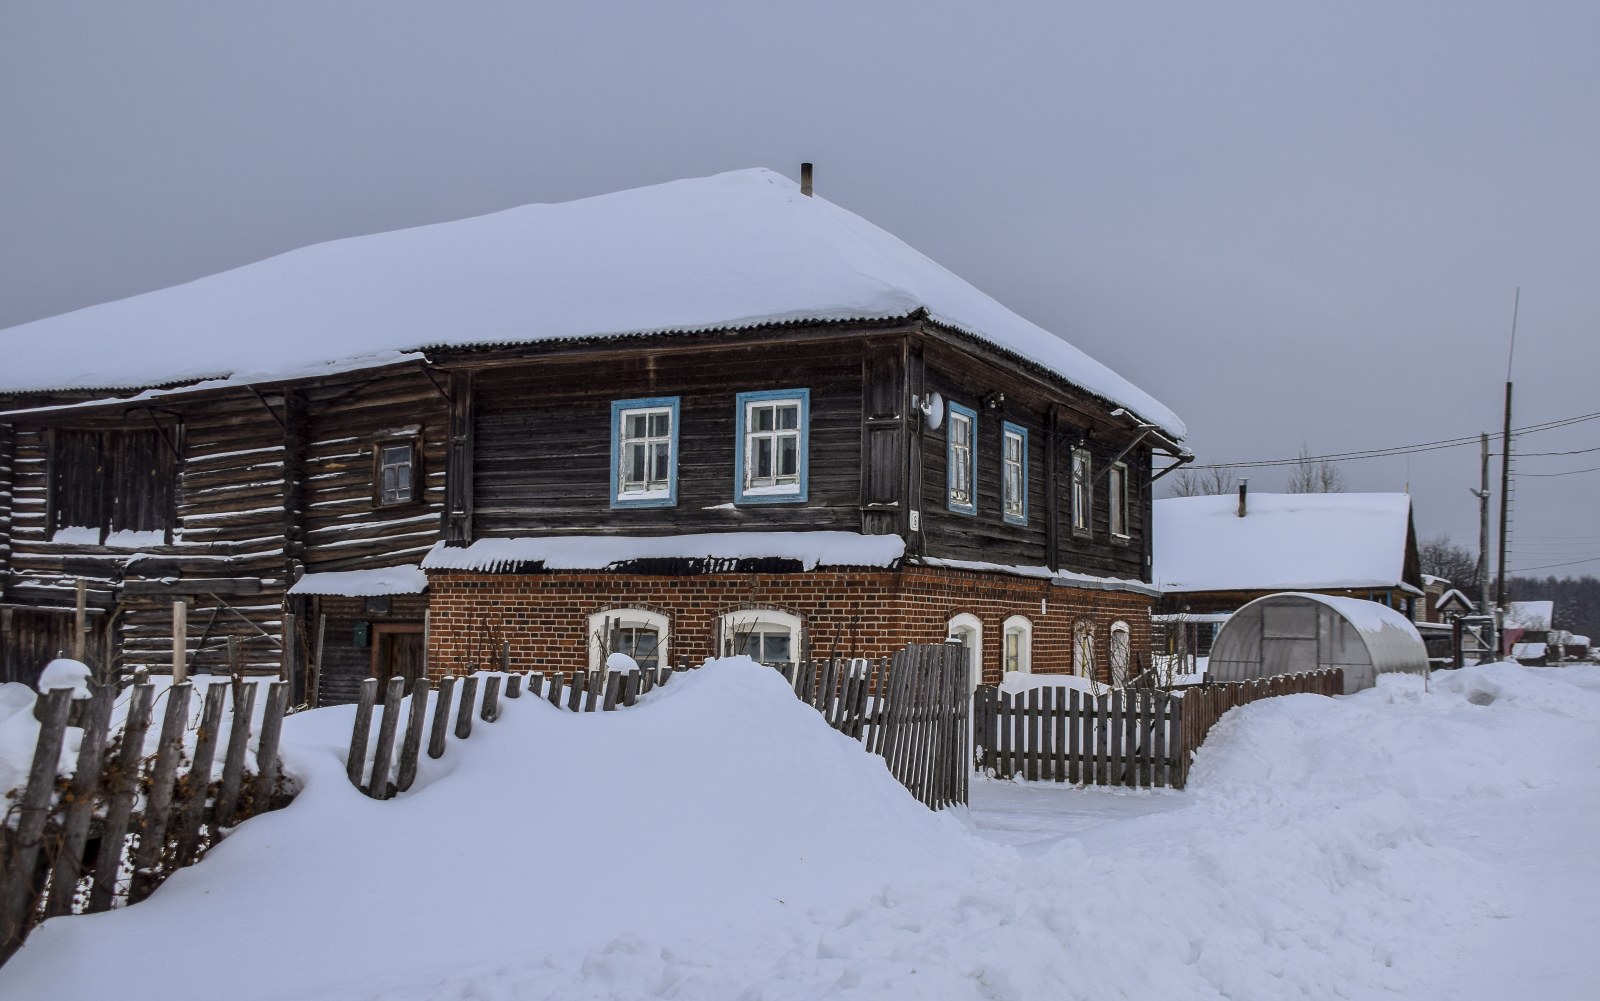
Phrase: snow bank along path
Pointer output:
(720, 842)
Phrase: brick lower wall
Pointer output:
(545, 617)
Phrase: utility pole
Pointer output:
(1483, 495)
(1505, 464)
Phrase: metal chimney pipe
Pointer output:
(1244, 489)
(805, 179)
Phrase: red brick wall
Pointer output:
(866, 613)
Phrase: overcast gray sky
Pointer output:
(1291, 225)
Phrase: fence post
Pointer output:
(441, 718)
(153, 829)
(383, 754)
(411, 747)
(244, 704)
(122, 789)
(18, 891)
(356, 762)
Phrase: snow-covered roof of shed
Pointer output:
(1531, 615)
(406, 579)
(1285, 542)
(731, 251)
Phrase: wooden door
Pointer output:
(397, 650)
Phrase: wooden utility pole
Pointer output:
(1505, 460)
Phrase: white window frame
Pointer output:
(1082, 469)
(1014, 474)
(665, 495)
(627, 618)
(1120, 673)
(1117, 494)
(968, 623)
(961, 459)
(1083, 648)
(731, 625)
(748, 488)
(1020, 627)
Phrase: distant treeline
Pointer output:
(1577, 600)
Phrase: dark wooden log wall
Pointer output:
(966, 379)
(344, 528)
(543, 439)
(8, 450)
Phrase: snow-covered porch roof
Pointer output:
(407, 579)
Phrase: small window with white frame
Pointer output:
(1081, 468)
(637, 632)
(395, 472)
(1016, 652)
(1117, 488)
(1014, 473)
(771, 458)
(765, 635)
(644, 452)
(961, 459)
(967, 630)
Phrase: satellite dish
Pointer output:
(933, 411)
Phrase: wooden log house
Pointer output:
(733, 431)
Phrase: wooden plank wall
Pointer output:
(344, 529)
(543, 439)
(986, 536)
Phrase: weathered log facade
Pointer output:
(257, 485)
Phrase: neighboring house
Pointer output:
(704, 417)
(1215, 554)
(1526, 633)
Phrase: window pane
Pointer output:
(660, 425)
(750, 645)
(634, 426)
(775, 648)
(791, 418)
(762, 419)
(789, 457)
(763, 458)
(663, 452)
(633, 464)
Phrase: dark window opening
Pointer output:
(111, 481)
(395, 473)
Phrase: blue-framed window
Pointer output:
(1014, 473)
(644, 452)
(772, 444)
(961, 459)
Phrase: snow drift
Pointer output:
(718, 841)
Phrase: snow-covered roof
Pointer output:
(1062, 578)
(407, 579)
(1532, 615)
(1577, 639)
(1530, 651)
(730, 251)
(1285, 542)
(1455, 596)
(602, 552)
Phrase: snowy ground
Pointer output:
(720, 843)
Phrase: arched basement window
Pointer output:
(762, 634)
(1017, 651)
(1121, 652)
(967, 629)
(637, 632)
(1083, 649)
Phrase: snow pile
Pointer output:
(1285, 542)
(64, 672)
(717, 841)
(735, 250)
(602, 552)
(406, 579)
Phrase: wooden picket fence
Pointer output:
(1123, 737)
(124, 822)
(911, 710)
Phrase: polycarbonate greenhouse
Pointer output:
(1295, 631)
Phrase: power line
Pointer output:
(1569, 472)
(1378, 453)
(1547, 566)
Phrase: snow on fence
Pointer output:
(1125, 737)
(911, 710)
(125, 820)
